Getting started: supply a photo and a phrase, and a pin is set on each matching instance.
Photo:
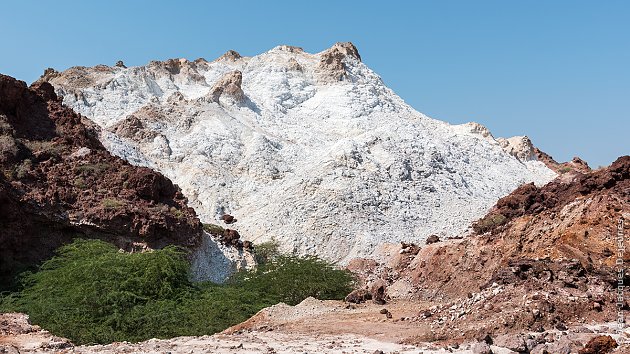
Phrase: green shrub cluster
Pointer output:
(112, 203)
(266, 252)
(176, 212)
(92, 293)
(38, 146)
(93, 167)
(489, 223)
(213, 229)
(564, 170)
(291, 279)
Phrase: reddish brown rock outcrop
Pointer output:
(131, 127)
(331, 66)
(530, 200)
(432, 239)
(230, 55)
(58, 182)
(575, 165)
(229, 84)
(544, 258)
(228, 219)
(599, 345)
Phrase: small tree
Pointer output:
(291, 279)
(267, 251)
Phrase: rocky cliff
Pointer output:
(58, 182)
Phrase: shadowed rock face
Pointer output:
(58, 182)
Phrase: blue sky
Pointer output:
(555, 70)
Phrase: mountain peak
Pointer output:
(346, 48)
(288, 48)
(310, 149)
(230, 55)
(332, 64)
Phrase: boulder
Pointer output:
(432, 239)
(599, 345)
(230, 237)
(481, 348)
(228, 219)
(514, 342)
(358, 296)
(378, 291)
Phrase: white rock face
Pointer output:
(310, 149)
(215, 262)
(519, 146)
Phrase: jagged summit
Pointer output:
(230, 55)
(311, 149)
(346, 48)
(289, 48)
(519, 146)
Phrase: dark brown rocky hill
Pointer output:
(58, 183)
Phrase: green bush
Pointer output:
(92, 293)
(489, 223)
(38, 146)
(564, 170)
(88, 290)
(80, 183)
(24, 168)
(291, 279)
(93, 167)
(266, 252)
(176, 212)
(213, 229)
(112, 203)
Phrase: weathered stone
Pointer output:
(378, 292)
(358, 296)
(432, 239)
(481, 348)
(229, 84)
(599, 345)
(515, 342)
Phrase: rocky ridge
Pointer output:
(58, 182)
(312, 150)
(575, 165)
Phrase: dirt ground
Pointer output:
(314, 326)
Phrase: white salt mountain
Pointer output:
(312, 150)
